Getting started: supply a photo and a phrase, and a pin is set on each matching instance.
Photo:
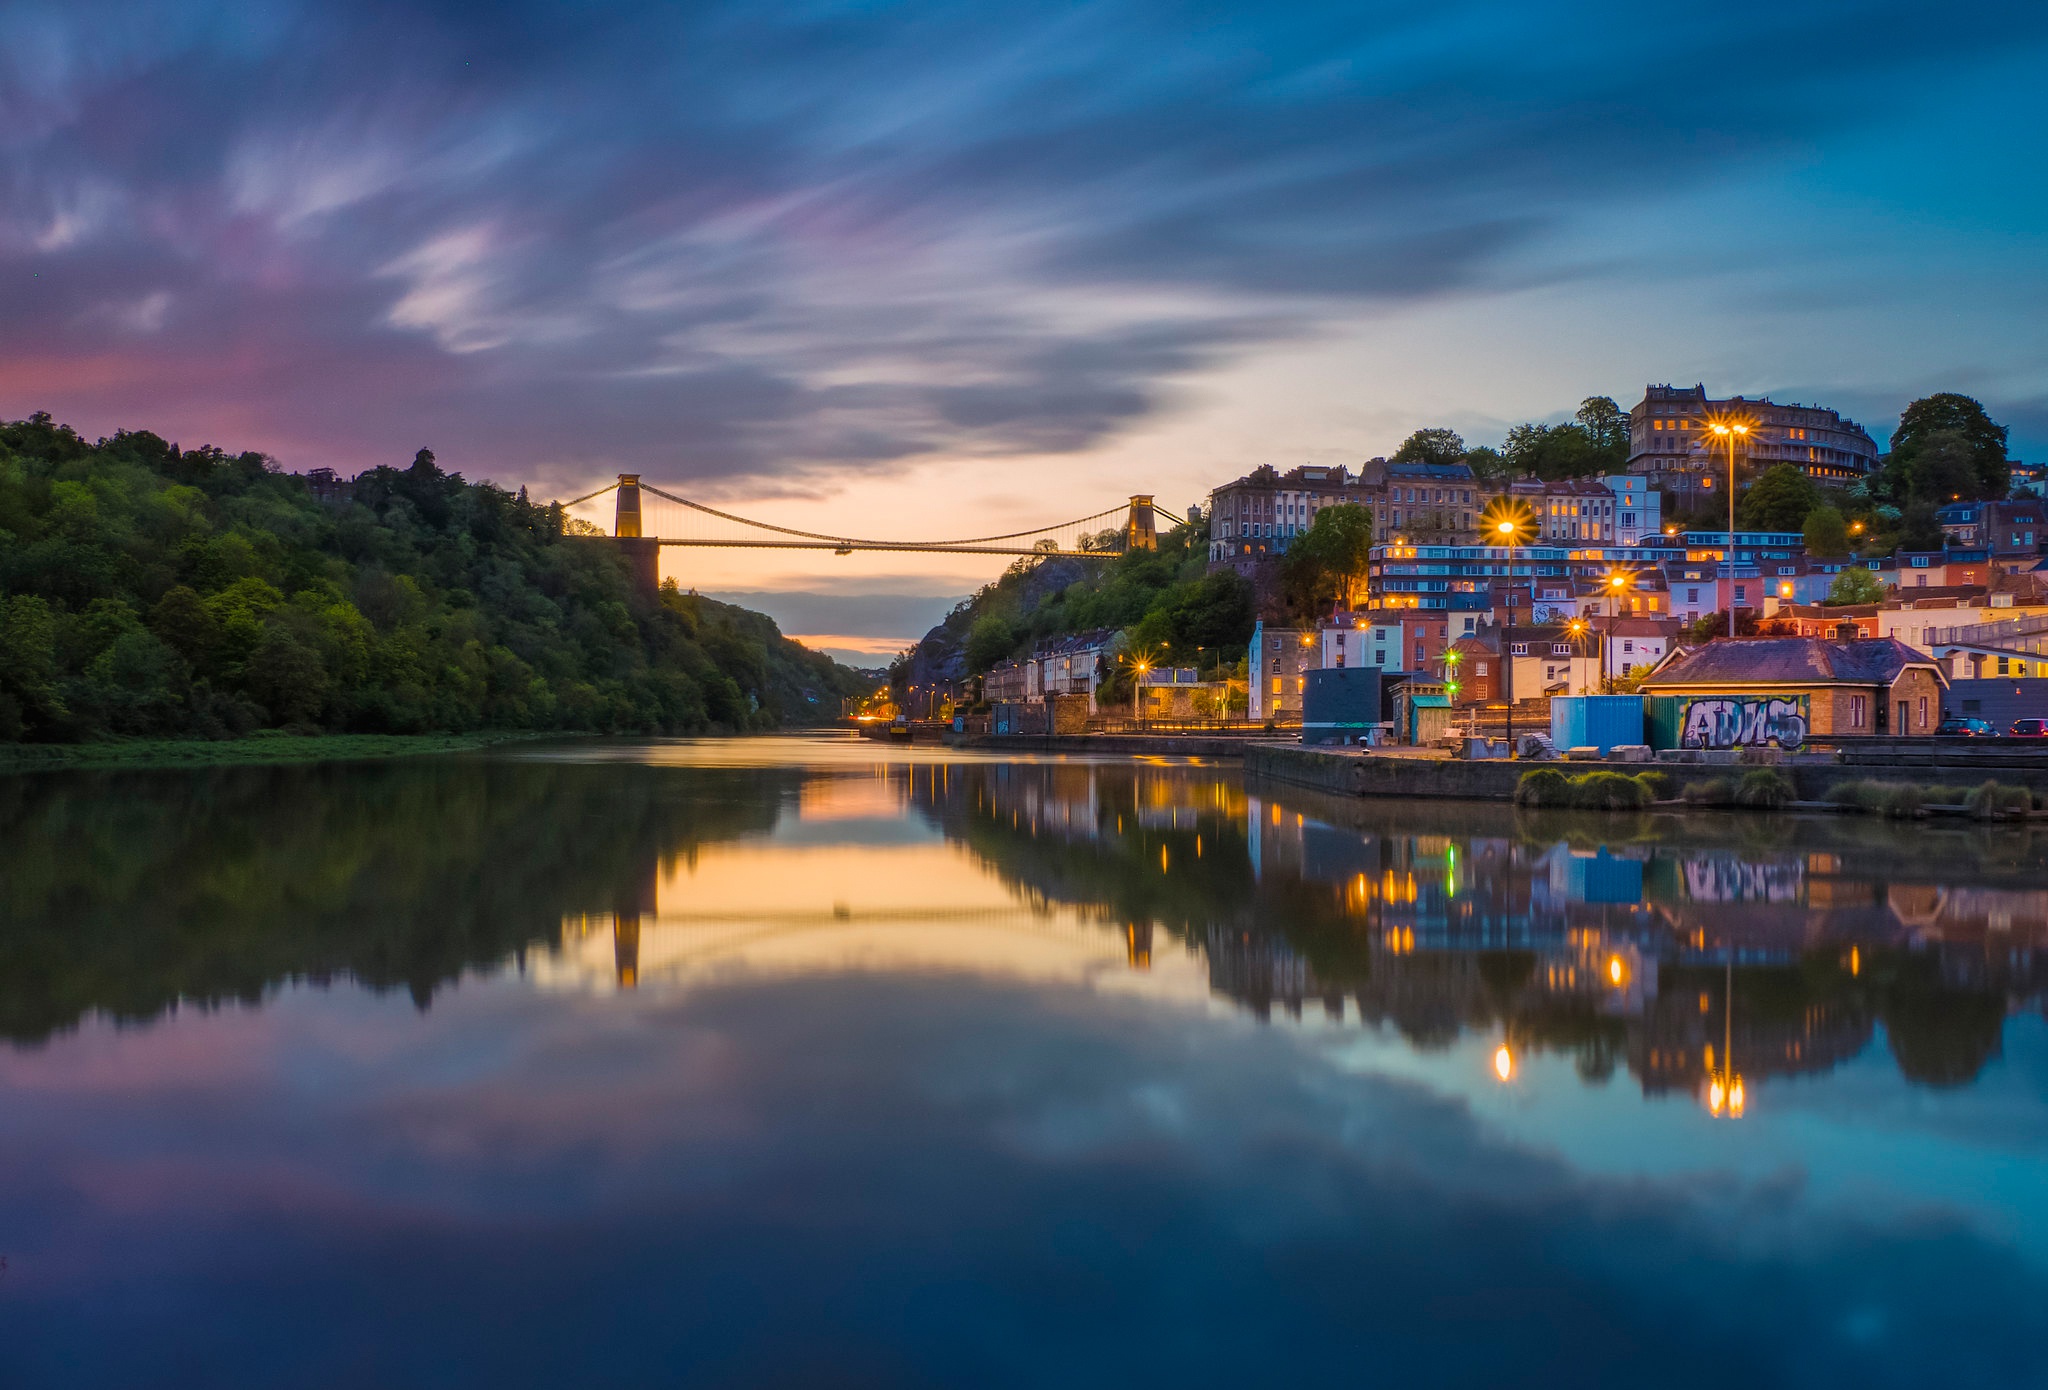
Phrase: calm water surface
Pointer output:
(803, 1062)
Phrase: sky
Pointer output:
(923, 269)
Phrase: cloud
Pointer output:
(727, 240)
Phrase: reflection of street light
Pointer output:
(1731, 432)
(1503, 1062)
(1617, 971)
(1725, 1091)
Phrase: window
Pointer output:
(1859, 710)
(1518, 649)
(1738, 593)
(1919, 562)
(1627, 645)
(1560, 649)
(1276, 685)
(1480, 669)
(1923, 711)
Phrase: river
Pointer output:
(806, 1061)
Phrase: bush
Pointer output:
(1609, 791)
(1718, 791)
(1657, 784)
(1765, 788)
(1546, 786)
(1900, 800)
(1993, 799)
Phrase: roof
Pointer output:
(1791, 661)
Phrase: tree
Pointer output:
(1856, 584)
(1778, 501)
(1949, 413)
(1552, 451)
(1326, 562)
(1606, 427)
(1431, 446)
(1943, 468)
(1486, 464)
(1826, 534)
(990, 640)
(1920, 528)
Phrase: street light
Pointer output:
(1619, 582)
(1506, 524)
(1731, 432)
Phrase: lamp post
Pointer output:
(1617, 584)
(1509, 529)
(1731, 431)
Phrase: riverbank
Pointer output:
(1134, 745)
(254, 750)
(1350, 773)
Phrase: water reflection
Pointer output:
(1617, 943)
(792, 1069)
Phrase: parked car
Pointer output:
(2028, 728)
(1957, 727)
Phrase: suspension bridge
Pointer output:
(646, 517)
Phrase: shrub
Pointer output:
(1716, 791)
(1765, 787)
(1898, 799)
(1657, 784)
(1609, 791)
(1545, 786)
(1993, 799)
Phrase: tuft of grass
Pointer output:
(1995, 799)
(1716, 791)
(1765, 788)
(1593, 791)
(1545, 786)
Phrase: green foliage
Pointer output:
(1488, 465)
(1765, 788)
(1715, 791)
(1947, 446)
(1543, 786)
(990, 640)
(1165, 600)
(1596, 441)
(149, 591)
(1592, 791)
(1606, 427)
(1856, 584)
(1995, 799)
(1919, 527)
(1430, 446)
(1778, 501)
(1326, 563)
(1898, 800)
(1825, 532)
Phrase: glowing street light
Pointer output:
(1731, 432)
(1618, 583)
(1507, 523)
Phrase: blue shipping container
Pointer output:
(1596, 721)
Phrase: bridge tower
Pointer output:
(643, 553)
(1141, 528)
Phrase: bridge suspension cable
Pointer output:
(849, 540)
(1078, 537)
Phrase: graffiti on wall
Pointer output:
(1744, 721)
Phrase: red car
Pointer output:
(2028, 728)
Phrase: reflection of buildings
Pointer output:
(1431, 921)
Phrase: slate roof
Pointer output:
(1791, 661)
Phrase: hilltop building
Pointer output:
(1672, 446)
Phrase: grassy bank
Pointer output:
(143, 753)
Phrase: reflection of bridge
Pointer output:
(687, 523)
